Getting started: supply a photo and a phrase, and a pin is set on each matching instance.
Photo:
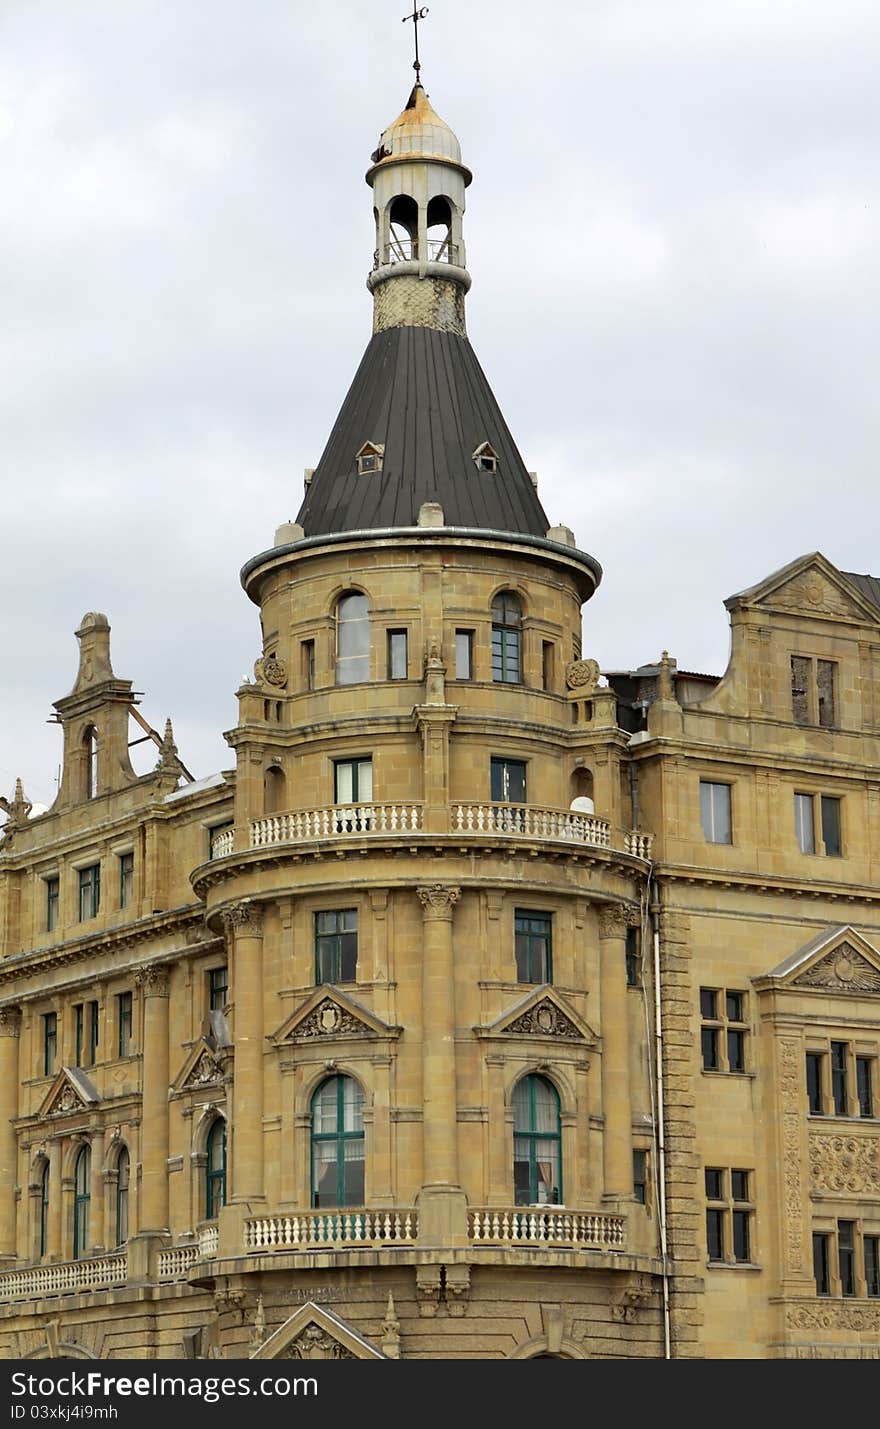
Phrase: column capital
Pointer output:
(613, 920)
(154, 978)
(10, 1021)
(438, 900)
(245, 918)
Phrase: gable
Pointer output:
(810, 586)
(315, 1333)
(837, 960)
(331, 1015)
(541, 1013)
(70, 1092)
(844, 969)
(201, 1068)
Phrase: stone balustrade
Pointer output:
(223, 844)
(209, 1242)
(175, 1262)
(64, 1277)
(551, 1227)
(341, 1229)
(529, 821)
(336, 821)
(638, 844)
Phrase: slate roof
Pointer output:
(423, 395)
(868, 586)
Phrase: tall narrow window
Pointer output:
(839, 1079)
(82, 1176)
(464, 654)
(741, 1218)
(336, 946)
(79, 1023)
(338, 1144)
(215, 1169)
(872, 1266)
(507, 638)
(123, 1024)
(397, 657)
(93, 1012)
(50, 1042)
(537, 1160)
(532, 938)
(52, 893)
(640, 1177)
(865, 1085)
(90, 762)
(715, 812)
(218, 988)
(44, 1209)
(801, 669)
(633, 959)
(548, 661)
(815, 1097)
(126, 879)
(830, 809)
(308, 664)
(825, 680)
(123, 1176)
(846, 1256)
(89, 892)
(352, 639)
(804, 824)
(507, 781)
(715, 1213)
(822, 1263)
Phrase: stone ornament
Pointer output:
(274, 671)
(10, 1021)
(328, 1019)
(810, 592)
(245, 919)
(833, 1317)
(844, 969)
(613, 920)
(790, 1094)
(205, 1070)
(845, 1164)
(438, 900)
(154, 980)
(66, 1101)
(314, 1343)
(545, 1020)
(582, 675)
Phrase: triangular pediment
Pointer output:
(331, 1015)
(202, 1067)
(810, 586)
(837, 961)
(541, 1013)
(71, 1091)
(315, 1333)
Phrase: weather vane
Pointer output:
(416, 16)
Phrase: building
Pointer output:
(487, 1008)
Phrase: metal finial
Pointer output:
(416, 16)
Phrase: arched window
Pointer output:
(123, 1176)
(44, 1210)
(537, 1159)
(215, 1169)
(274, 795)
(338, 1143)
(403, 230)
(439, 218)
(82, 1177)
(90, 762)
(352, 639)
(507, 638)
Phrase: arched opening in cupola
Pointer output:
(403, 229)
(440, 246)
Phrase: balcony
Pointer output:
(527, 821)
(331, 1230)
(64, 1277)
(335, 822)
(544, 1228)
(406, 250)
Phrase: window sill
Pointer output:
(720, 1072)
(828, 1116)
(732, 1265)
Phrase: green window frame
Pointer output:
(50, 1042)
(126, 879)
(124, 1023)
(537, 1142)
(336, 945)
(78, 1026)
(123, 1179)
(94, 1013)
(337, 1144)
(215, 1169)
(53, 892)
(533, 945)
(82, 1177)
(218, 988)
(89, 892)
(507, 638)
(44, 1209)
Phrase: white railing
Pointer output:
(331, 1228)
(69, 1275)
(638, 844)
(527, 821)
(177, 1261)
(223, 844)
(336, 821)
(538, 1227)
(406, 250)
(209, 1242)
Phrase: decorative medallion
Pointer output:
(847, 1165)
(205, 1070)
(314, 1343)
(843, 969)
(582, 675)
(545, 1019)
(274, 671)
(328, 1019)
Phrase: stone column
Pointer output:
(99, 1239)
(616, 1104)
(55, 1227)
(244, 924)
(10, 1029)
(154, 980)
(440, 1150)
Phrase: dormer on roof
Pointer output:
(369, 458)
(485, 457)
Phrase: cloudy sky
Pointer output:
(673, 232)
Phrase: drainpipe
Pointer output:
(660, 1119)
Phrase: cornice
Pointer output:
(744, 882)
(132, 935)
(780, 761)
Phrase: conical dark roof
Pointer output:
(423, 395)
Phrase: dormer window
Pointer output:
(485, 458)
(369, 458)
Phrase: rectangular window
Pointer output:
(822, 1263)
(78, 1033)
(307, 648)
(709, 1037)
(865, 1085)
(50, 1042)
(632, 957)
(352, 781)
(213, 836)
(464, 654)
(872, 1266)
(830, 825)
(640, 1177)
(52, 892)
(846, 1256)
(804, 824)
(218, 988)
(714, 1183)
(723, 1033)
(709, 1004)
(839, 1088)
(826, 671)
(532, 938)
(548, 660)
(715, 812)
(126, 879)
(741, 1236)
(89, 892)
(729, 1217)
(715, 1234)
(815, 1098)
(336, 946)
(736, 1050)
(507, 781)
(93, 1033)
(397, 657)
(800, 688)
(123, 1024)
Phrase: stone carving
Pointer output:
(843, 969)
(153, 978)
(328, 1019)
(66, 1100)
(17, 810)
(613, 920)
(258, 1333)
(274, 671)
(790, 1092)
(811, 593)
(168, 761)
(313, 1343)
(10, 1021)
(849, 1164)
(833, 1317)
(627, 1302)
(545, 1020)
(438, 900)
(205, 1070)
(582, 675)
(244, 918)
(391, 1331)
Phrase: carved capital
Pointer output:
(438, 900)
(244, 919)
(613, 920)
(10, 1021)
(153, 978)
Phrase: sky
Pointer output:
(674, 238)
